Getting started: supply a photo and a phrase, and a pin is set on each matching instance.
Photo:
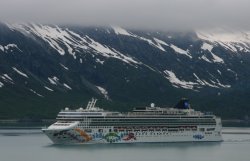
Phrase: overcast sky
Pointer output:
(155, 14)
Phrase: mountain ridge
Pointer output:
(121, 67)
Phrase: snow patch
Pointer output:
(49, 89)
(206, 46)
(1, 48)
(209, 47)
(103, 91)
(229, 39)
(160, 43)
(66, 68)
(219, 71)
(150, 42)
(54, 36)
(110, 52)
(1, 84)
(217, 59)
(198, 83)
(59, 39)
(121, 31)
(6, 75)
(9, 46)
(67, 86)
(180, 51)
(209, 84)
(36, 93)
(19, 72)
(235, 74)
(99, 61)
(53, 80)
(203, 82)
(6, 78)
(205, 58)
(214, 84)
(222, 85)
(177, 82)
(198, 79)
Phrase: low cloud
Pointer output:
(148, 14)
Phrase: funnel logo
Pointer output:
(186, 105)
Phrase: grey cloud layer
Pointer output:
(162, 14)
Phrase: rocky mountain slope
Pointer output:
(44, 68)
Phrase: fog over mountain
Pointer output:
(140, 14)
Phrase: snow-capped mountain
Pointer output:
(47, 67)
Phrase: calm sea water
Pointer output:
(32, 145)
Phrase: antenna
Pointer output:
(91, 104)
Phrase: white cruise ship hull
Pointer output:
(78, 136)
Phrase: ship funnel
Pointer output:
(183, 104)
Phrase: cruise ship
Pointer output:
(148, 124)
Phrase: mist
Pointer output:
(143, 14)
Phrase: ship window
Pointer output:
(210, 129)
(88, 130)
(201, 129)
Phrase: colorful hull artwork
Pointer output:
(80, 136)
(110, 137)
(130, 136)
(82, 133)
